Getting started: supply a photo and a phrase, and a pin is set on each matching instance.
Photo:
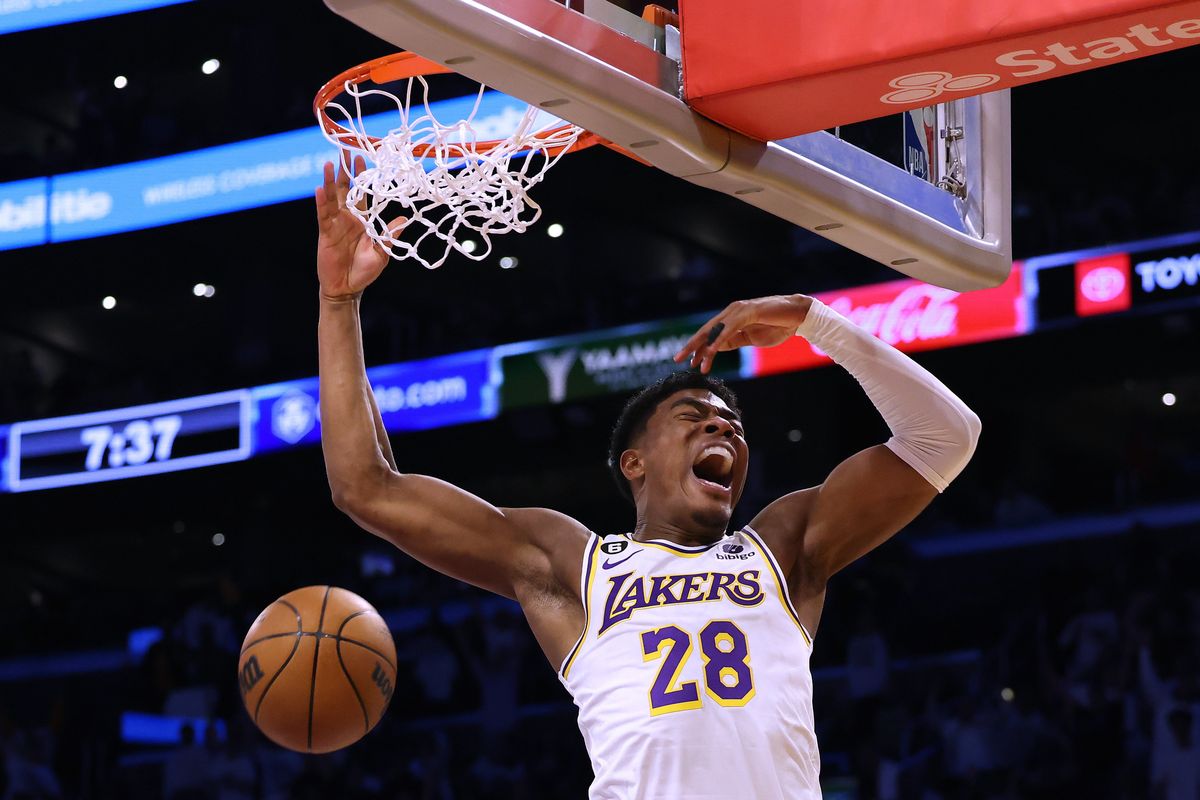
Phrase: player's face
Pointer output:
(695, 457)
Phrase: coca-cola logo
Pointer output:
(919, 312)
(1102, 284)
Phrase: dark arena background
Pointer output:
(1034, 634)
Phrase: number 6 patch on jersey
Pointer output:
(613, 548)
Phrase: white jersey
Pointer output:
(692, 675)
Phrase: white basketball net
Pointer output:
(452, 188)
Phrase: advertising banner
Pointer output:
(833, 63)
(911, 316)
(604, 362)
(448, 390)
(1166, 275)
(1102, 285)
(201, 183)
(22, 15)
(23, 220)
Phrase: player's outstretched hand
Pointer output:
(348, 260)
(762, 322)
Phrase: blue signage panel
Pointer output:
(22, 15)
(233, 426)
(128, 442)
(417, 395)
(216, 180)
(160, 191)
(3, 457)
(23, 212)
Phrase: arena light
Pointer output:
(198, 289)
(555, 230)
(210, 66)
(109, 302)
(469, 245)
(1168, 399)
(508, 262)
(218, 539)
(209, 290)
(120, 81)
(794, 435)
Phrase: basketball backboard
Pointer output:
(619, 76)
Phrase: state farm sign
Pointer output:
(833, 63)
(1139, 39)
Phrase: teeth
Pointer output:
(720, 452)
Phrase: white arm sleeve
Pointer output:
(932, 430)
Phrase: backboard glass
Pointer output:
(618, 76)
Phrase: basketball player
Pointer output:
(685, 645)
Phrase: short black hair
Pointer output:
(639, 408)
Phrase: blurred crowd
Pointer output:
(1089, 689)
(1069, 670)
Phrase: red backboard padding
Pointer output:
(778, 68)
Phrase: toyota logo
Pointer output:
(1102, 284)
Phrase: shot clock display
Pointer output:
(163, 437)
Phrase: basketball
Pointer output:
(317, 669)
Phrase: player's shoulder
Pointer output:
(788, 516)
(559, 542)
(548, 527)
(782, 524)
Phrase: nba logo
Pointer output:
(1102, 285)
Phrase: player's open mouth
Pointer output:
(713, 468)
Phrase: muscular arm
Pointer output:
(873, 494)
(352, 435)
(385, 444)
(440, 525)
(870, 496)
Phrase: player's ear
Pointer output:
(631, 465)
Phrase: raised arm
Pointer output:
(440, 525)
(876, 492)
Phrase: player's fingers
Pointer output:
(733, 321)
(711, 345)
(359, 164)
(322, 214)
(343, 175)
(722, 341)
(396, 226)
(327, 207)
(739, 339)
(700, 337)
(343, 187)
(330, 178)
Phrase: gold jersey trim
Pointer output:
(586, 577)
(777, 573)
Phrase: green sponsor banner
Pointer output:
(606, 362)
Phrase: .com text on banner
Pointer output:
(448, 390)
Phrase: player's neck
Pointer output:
(648, 529)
